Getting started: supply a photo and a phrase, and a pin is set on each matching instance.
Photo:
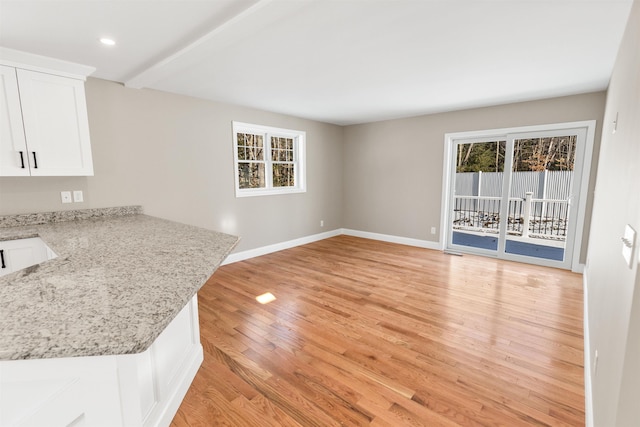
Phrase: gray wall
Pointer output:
(173, 155)
(393, 170)
(613, 288)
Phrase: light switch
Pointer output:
(77, 196)
(628, 243)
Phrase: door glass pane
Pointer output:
(477, 194)
(541, 188)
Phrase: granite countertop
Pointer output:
(119, 279)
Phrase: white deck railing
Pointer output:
(527, 217)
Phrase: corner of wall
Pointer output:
(588, 396)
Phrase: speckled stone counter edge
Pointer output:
(33, 343)
(18, 220)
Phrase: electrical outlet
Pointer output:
(433, 230)
(78, 197)
(321, 223)
(65, 196)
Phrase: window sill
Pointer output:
(268, 192)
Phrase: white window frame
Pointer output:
(299, 159)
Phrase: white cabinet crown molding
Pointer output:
(44, 64)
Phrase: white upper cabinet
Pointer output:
(56, 126)
(13, 147)
(45, 128)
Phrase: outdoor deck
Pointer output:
(534, 247)
(535, 227)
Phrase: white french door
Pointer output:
(518, 194)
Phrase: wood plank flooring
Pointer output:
(367, 333)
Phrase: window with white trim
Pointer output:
(268, 160)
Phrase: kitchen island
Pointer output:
(106, 333)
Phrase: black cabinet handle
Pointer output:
(35, 161)
(21, 159)
(2, 258)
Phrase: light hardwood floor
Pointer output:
(371, 333)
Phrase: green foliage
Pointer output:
(535, 154)
(481, 157)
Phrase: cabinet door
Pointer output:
(60, 392)
(13, 149)
(22, 253)
(54, 113)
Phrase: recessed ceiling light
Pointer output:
(107, 41)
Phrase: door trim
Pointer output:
(583, 173)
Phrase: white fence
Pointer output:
(543, 185)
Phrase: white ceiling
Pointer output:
(337, 61)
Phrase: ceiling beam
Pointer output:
(256, 16)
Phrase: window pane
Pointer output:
(250, 140)
(540, 154)
(256, 153)
(251, 175)
(245, 139)
(477, 202)
(282, 149)
(481, 157)
(242, 153)
(541, 188)
(255, 140)
(283, 175)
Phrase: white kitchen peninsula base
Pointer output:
(143, 389)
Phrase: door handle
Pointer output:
(2, 258)
(35, 161)
(21, 159)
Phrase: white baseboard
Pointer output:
(394, 239)
(252, 253)
(588, 396)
